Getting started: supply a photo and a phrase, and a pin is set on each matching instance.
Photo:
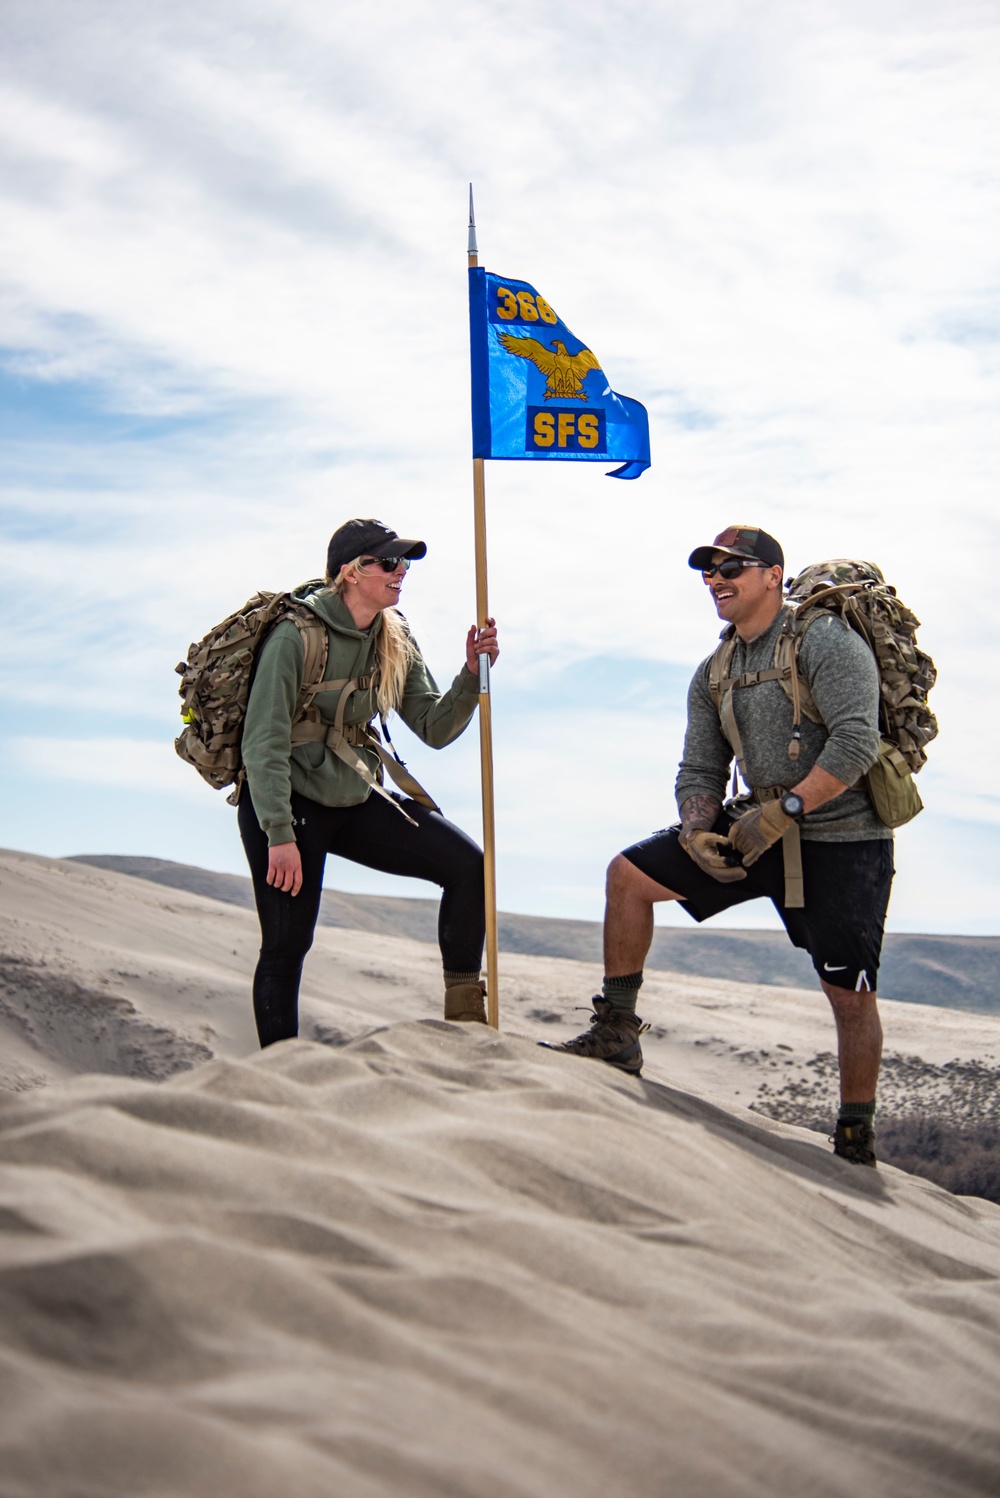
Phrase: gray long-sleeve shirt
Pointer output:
(843, 680)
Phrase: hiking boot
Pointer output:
(465, 1003)
(613, 1037)
(855, 1142)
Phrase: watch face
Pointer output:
(792, 805)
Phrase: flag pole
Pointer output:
(485, 717)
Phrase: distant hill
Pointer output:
(960, 972)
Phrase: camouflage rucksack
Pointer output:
(216, 678)
(860, 595)
(215, 690)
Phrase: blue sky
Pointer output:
(232, 314)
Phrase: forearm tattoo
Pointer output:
(700, 812)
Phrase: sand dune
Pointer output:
(429, 1260)
(955, 971)
(102, 972)
(441, 1262)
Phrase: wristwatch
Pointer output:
(792, 805)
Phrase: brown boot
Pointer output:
(613, 1037)
(465, 1003)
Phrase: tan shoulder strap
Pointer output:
(718, 666)
(793, 683)
(316, 652)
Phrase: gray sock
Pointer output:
(451, 980)
(623, 993)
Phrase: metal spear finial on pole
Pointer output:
(473, 246)
(485, 714)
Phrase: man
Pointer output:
(814, 803)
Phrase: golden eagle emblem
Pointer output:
(564, 372)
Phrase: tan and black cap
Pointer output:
(740, 541)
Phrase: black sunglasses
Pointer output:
(388, 564)
(729, 568)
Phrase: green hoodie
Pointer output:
(275, 769)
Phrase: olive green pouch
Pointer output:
(892, 787)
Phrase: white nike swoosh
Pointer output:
(841, 969)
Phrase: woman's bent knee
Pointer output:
(466, 865)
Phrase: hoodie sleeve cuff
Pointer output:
(282, 832)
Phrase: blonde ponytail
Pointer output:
(395, 651)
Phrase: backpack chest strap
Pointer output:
(344, 684)
(754, 678)
(362, 682)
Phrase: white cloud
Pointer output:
(122, 763)
(232, 297)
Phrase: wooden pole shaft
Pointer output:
(486, 753)
(489, 864)
(485, 714)
(479, 505)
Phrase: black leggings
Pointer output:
(377, 836)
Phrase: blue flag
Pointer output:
(537, 392)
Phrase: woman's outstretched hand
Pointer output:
(481, 642)
(284, 867)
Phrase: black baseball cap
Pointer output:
(740, 541)
(370, 538)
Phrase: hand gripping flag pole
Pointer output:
(485, 716)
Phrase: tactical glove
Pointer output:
(712, 853)
(759, 829)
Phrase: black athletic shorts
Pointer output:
(846, 893)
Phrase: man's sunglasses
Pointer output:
(729, 568)
(388, 564)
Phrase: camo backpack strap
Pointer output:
(316, 651)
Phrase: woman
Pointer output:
(314, 787)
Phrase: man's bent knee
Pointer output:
(625, 879)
